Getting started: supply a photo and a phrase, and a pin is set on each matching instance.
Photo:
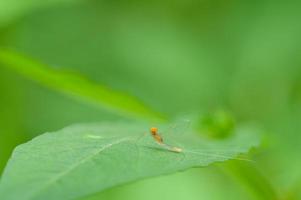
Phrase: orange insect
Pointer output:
(159, 140)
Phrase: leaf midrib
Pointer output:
(74, 166)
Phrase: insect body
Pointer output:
(156, 136)
(159, 140)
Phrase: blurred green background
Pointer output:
(178, 57)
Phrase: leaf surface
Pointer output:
(87, 158)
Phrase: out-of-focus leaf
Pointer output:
(252, 179)
(10, 115)
(219, 124)
(105, 155)
(198, 183)
(76, 86)
(9, 10)
(129, 48)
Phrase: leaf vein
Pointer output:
(75, 165)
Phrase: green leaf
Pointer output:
(9, 10)
(249, 177)
(87, 158)
(76, 86)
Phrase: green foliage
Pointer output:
(75, 85)
(10, 10)
(252, 180)
(219, 124)
(173, 57)
(84, 159)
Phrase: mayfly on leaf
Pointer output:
(158, 138)
(175, 140)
